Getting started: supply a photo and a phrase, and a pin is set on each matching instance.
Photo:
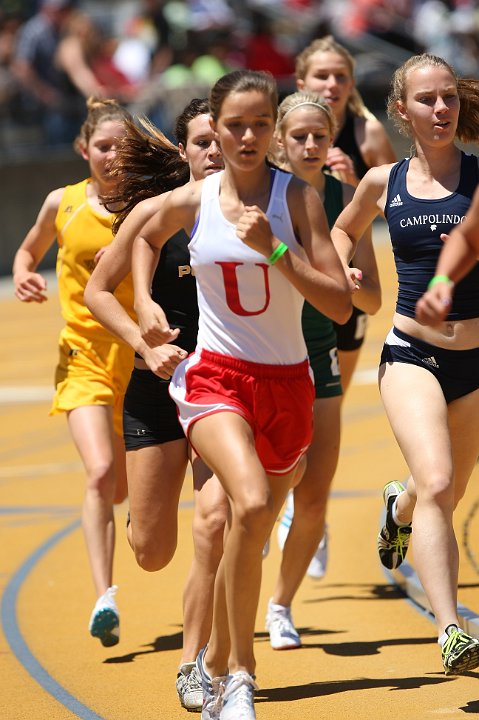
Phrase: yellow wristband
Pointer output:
(276, 254)
(440, 279)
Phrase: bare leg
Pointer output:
(91, 428)
(155, 478)
(226, 443)
(211, 512)
(348, 360)
(420, 419)
(310, 500)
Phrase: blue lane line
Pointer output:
(406, 579)
(38, 509)
(17, 642)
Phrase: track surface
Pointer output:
(368, 652)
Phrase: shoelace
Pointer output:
(215, 703)
(400, 543)
(456, 638)
(192, 681)
(284, 620)
(241, 685)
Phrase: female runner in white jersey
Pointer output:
(259, 245)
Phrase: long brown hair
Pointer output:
(147, 163)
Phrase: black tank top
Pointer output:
(346, 140)
(174, 288)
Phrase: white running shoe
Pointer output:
(105, 619)
(188, 687)
(319, 562)
(238, 700)
(213, 689)
(279, 623)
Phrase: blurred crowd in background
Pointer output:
(154, 55)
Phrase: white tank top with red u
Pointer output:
(248, 309)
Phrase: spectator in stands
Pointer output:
(40, 80)
(9, 26)
(262, 51)
(85, 57)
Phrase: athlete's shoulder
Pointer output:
(295, 184)
(378, 175)
(54, 198)
(188, 194)
(148, 207)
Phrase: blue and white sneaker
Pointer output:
(279, 623)
(105, 619)
(188, 687)
(213, 689)
(238, 702)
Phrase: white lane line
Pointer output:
(16, 394)
(365, 377)
(24, 471)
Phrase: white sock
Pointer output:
(442, 639)
(276, 606)
(398, 522)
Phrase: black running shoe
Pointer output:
(460, 652)
(393, 540)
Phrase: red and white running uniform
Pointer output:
(248, 309)
(251, 357)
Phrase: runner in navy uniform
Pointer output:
(428, 376)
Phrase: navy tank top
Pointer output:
(174, 288)
(415, 226)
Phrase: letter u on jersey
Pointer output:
(232, 290)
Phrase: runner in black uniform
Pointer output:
(157, 451)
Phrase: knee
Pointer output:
(254, 513)
(101, 480)
(151, 554)
(439, 491)
(209, 525)
(310, 510)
